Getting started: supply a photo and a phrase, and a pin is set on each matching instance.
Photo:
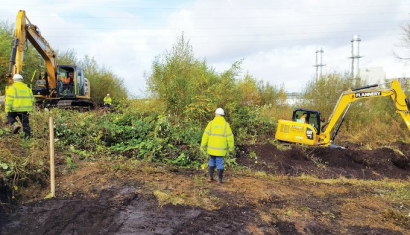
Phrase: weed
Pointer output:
(252, 155)
(230, 161)
(261, 174)
(397, 218)
(318, 162)
(279, 145)
(304, 209)
(165, 198)
(70, 163)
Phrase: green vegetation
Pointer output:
(167, 127)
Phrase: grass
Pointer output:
(279, 145)
(274, 198)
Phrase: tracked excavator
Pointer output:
(314, 131)
(54, 88)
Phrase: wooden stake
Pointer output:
(52, 165)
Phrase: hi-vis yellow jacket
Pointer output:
(217, 139)
(19, 98)
(107, 100)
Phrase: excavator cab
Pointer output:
(41, 84)
(65, 82)
(304, 131)
(313, 117)
(70, 89)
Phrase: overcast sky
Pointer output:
(277, 39)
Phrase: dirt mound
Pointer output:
(326, 163)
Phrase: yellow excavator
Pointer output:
(312, 130)
(54, 89)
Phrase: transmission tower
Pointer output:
(319, 64)
(355, 58)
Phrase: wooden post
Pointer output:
(52, 165)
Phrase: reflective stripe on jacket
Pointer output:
(217, 139)
(19, 98)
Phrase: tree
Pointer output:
(191, 89)
(102, 80)
(6, 37)
(323, 93)
(249, 88)
(32, 60)
(178, 78)
(405, 43)
(6, 33)
(271, 95)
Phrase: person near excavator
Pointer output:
(69, 83)
(107, 101)
(217, 141)
(19, 102)
(303, 119)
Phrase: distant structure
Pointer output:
(319, 64)
(372, 75)
(293, 98)
(355, 57)
(405, 83)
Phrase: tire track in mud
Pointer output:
(123, 211)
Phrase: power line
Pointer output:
(233, 35)
(234, 27)
(138, 6)
(217, 18)
(212, 42)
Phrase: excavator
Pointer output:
(312, 130)
(53, 88)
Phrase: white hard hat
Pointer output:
(108, 94)
(220, 111)
(17, 77)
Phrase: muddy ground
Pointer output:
(125, 203)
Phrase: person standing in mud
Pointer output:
(217, 141)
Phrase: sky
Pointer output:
(276, 39)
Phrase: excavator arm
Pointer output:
(48, 90)
(350, 96)
(401, 102)
(24, 31)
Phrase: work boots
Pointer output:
(16, 128)
(211, 174)
(220, 176)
